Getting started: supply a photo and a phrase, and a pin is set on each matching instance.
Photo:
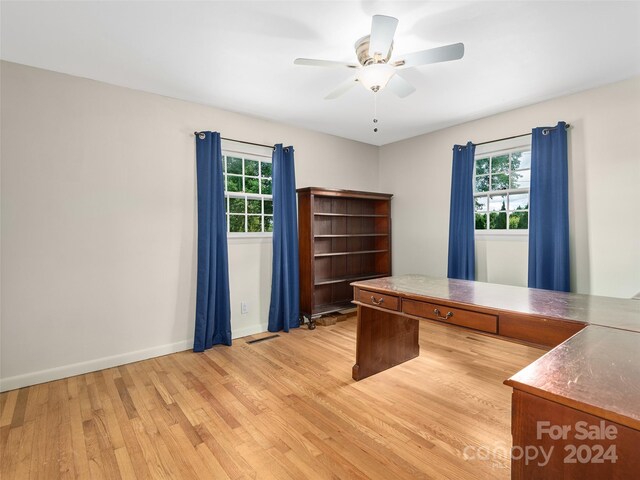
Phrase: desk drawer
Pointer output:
(381, 300)
(542, 331)
(456, 316)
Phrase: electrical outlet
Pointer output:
(244, 308)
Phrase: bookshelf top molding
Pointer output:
(335, 192)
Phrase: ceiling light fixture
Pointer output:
(375, 76)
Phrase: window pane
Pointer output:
(521, 179)
(255, 223)
(236, 205)
(234, 165)
(236, 223)
(519, 201)
(482, 166)
(500, 164)
(266, 187)
(499, 181)
(251, 185)
(234, 183)
(515, 179)
(482, 183)
(251, 167)
(515, 159)
(265, 168)
(268, 207)
(480, 203)
(497, 203)
(498, 221)
(224, 163)
(481, 221)
(523, 161)
(254, 206)
(519, 221)
(268, 224)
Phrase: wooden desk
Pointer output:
(592, 375)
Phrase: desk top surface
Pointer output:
(597, 370)
(590, 309)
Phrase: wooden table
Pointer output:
(589, 381)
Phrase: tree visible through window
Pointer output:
(501, 190)
(249, 203)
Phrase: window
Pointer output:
(247, 184)
(501, 190)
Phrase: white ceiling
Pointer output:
(239, 55)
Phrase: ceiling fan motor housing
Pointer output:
(362, 52)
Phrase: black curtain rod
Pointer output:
(241, 141)
(516, 136)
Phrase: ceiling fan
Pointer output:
(373, 51)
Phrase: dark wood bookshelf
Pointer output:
(352, 235)
(332, 307)
(345, 236)
(325, 214)
(360, 252)
(349, 279)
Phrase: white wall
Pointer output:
(99, 221)
(604, 169)
(502, 259)
(99, 213)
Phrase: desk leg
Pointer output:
(383, 340)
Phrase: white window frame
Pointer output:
(494, 150)
(232, 151)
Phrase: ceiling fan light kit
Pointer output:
(375, 76)
(373, 52)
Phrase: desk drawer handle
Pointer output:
(440, 317)
(377, 302)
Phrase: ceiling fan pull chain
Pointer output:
(375, 112)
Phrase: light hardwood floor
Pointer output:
(284, 408)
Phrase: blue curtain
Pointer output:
(213, 306)
(284, 311)
(462, 251)
(549, 209)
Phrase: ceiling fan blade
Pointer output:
(342, 88)
(400, 86)
(454, 51)
(323, 63)
(382, 30)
